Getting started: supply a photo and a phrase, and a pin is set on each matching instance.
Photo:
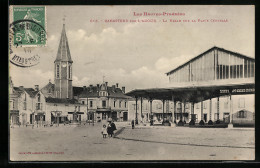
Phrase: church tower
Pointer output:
(63, 69)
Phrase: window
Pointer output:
(125, 104)
(179, 105)
(38, 106)
(205, 105)
(119, 104)
(241, 103)
(58, 71)
(226, 105)
(241, 114)
(11, 104)
(216, 116)
(70, 72)
(83, 102)
(187, 105)
(114, 103)
(103, 103)
(159, 106)
(91, 103)
(24, 105)
(197, 105)
(216, 105)
(135, 106)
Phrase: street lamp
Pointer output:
(136, 119)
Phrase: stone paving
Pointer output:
(85, 143)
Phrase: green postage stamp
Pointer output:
(28, 26)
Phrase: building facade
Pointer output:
(104, 101)
(144, 112)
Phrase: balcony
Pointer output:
(103, 108)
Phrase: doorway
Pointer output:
(205, 117)
(125, 116)
(226, 118)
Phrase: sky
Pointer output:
(135, 54)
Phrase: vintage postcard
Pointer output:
(124, 83)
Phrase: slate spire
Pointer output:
(63, 50)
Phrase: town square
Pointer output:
(85, 143)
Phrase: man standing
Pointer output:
(113, 127)
(133, 124)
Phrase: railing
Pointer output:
(103, 108)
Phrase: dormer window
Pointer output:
(39, 97)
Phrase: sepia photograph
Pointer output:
(131, 82)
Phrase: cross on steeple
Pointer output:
(64, 18)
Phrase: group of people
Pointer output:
(108, 129)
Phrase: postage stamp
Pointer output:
(29, 26)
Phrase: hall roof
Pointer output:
(209, 50)
(194, 93)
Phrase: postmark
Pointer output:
(27, 34)
(29, 26)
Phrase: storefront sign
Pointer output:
(237, 91)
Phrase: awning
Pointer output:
(14, 111)
(76, 112)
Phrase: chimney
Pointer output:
(91, 88)
(84, 87)
(36, 87)
(21, 87)
(123, 89)
(116, 85)
(97, 87)
(113, 88)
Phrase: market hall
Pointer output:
(220, 83)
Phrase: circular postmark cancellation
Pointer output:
(21, 32)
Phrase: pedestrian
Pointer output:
(133, 124)
(104, 131)
(113, 127)
(109, 129)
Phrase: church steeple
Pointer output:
(63, 50)
(63, 69)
